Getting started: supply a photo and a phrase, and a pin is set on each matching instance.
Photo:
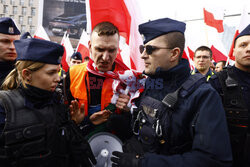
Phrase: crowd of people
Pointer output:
(181, 118)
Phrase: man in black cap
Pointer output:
(179, 120)
(76, 58)
(233, 84)
(8, 34)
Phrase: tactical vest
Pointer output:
(152, 119)
(31, 136)
(237, 115)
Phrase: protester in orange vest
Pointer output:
(87, 86)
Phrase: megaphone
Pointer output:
(102, 145)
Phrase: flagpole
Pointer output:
(227, 61)
(206, 31)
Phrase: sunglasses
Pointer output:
(150, 49)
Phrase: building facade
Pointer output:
(24, 12)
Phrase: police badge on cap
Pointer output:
(8, 26)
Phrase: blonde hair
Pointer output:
(14, 79)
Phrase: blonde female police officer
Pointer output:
(34, 126)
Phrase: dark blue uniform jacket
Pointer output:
(5, 68)
(210, 145)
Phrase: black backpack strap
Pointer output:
(186, 89)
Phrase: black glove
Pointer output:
(125, 159)
(80, 149)
(82, 154)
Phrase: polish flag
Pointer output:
(214, 17)
(41, 33)
(68, 51)
(82, 46)
(124, 15)
(217, 55)
(189, 54)
(244, 22)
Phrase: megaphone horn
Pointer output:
(102, 145)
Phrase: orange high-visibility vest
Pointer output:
(79, 86)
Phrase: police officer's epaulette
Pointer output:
(191, 84)
(184, 90)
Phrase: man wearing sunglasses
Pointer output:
(182, 122)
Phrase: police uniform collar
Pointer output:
(36, 97)
(5, 66)
(179, 70)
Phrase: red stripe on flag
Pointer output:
(210, 21)
(217, 55)
(114, 11)
(230, 55)
(83, 50)
(37, 37)
(64, 63)
(191, 53)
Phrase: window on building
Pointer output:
(29, 20)
(12, 2)
(32, 30)
(30, 2)
(24, 10)
(23, 28)
(20, 20)
(5, 8)
(3, 1)
(2, 15)
(21, 2)
(12, 16)
(33, 11)
(14, 9)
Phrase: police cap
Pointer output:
(8, 26)
(39, 50)
(76, 56)
(246, 31)
(156, 28)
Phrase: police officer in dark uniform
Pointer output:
(35, 129)
(76, 58)
(180, 121)
(8, 33)
(233, 84)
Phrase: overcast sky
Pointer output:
(187, 9)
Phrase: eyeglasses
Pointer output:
(202, 57)
(150, 49)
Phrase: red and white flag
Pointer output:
(68, 51)
(82, 46)
(124, 15)
(244, 22)
(41, 33)
(214, 17)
